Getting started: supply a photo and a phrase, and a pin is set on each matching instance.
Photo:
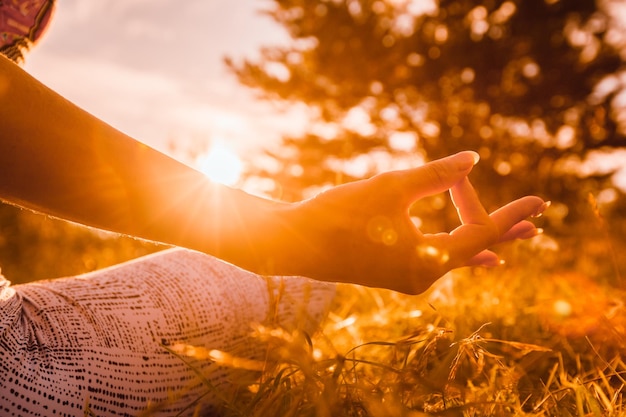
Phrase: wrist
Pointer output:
(254, 233)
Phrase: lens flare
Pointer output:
(221, 164)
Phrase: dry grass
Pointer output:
(529, 339)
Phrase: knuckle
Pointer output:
(392, 183)
(492, 232)
(436, 174)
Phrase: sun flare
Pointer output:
(220, 164)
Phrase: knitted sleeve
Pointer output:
(100, 341)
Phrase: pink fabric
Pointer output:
(99, 340)
(23, 20)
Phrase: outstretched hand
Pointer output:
(359, 232)
(362, 233)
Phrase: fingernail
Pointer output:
(465, 163)
(542, 208)
(476, 157)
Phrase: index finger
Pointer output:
(479, 231)
(467, 203)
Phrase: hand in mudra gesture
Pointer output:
(364, 233)
(359, 232)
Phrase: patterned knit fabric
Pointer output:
(99, 342)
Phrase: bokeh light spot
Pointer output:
(433, 253)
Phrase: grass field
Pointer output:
(541, 336)
(544, 335)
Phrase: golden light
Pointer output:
(431, 252)
(218, 356)
(221, 164)
(562, 308)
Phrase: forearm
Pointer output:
(58, 159)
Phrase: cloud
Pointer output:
(153, 68)
(84, 79)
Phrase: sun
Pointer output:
(220, 164)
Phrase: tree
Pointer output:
(533, 85)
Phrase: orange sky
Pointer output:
(153, 68)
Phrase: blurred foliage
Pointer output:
(535, 86)
(34, 246)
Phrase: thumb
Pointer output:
(438, 176)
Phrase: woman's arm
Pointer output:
(58, 159)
